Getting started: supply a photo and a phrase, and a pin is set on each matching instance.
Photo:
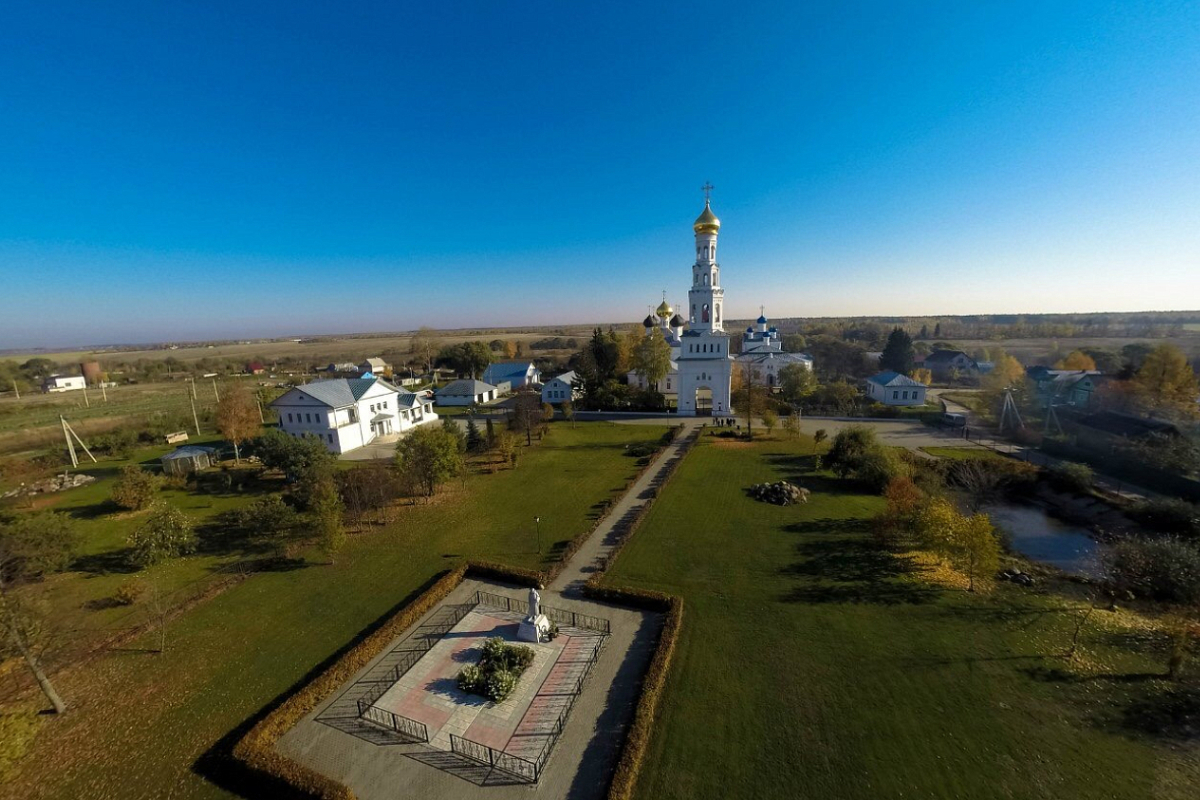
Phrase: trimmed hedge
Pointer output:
(257, 748)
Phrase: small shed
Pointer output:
(188, 459)
(177, 437)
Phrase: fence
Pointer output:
(370, 712)
(529, 770)
(566, 618)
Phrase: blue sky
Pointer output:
(183, 171)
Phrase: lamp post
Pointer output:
(537, 521)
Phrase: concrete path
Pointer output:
(594, 553)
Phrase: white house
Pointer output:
(63, 383)
(347, 413)
(557, 390)
(894, 389)
(517, 373)
(465, 393)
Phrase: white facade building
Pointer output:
(348, 413)
(516, 373)
(762, 355)
(465, 393)
(894, 389)
(559, 389)
(64, 383)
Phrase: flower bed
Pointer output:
(496, 674)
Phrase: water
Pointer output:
(1040, 537)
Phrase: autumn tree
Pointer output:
(425, 346)
(135, 488)
(31, 547)
(1168, 380)
(430, 456)
(791, 424)
(1076, 359)
(510, 349)
(237, 418)
(651, 359)
(769, 420)
(568, 411)
(1007, 371)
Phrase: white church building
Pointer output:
(348, 413)
(701, 373)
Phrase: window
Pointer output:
(289, 416)
(330, 435)
(308, 417)
(895, 395)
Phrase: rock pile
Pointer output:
(781, 493)
(1016, 576)
(56, 484)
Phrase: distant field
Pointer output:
(1028, 351)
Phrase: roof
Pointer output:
(376, 364)
(566, 377)
(943, 356)
(341, 392)
(189, 451)
(502, 370)
(891, 378)
(464, 388)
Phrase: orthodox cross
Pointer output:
(707, 189)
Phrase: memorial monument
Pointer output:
(536, 626)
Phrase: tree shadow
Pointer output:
(849, 570)
(94, 510)
(1172, 714)
(795, 467)
(119, 561)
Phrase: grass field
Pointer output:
(146, 725)
(811, 665)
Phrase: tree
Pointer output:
(291, 456)
(31, 546)
(425, 346)
(839, 396)
(470, 358)
(452, 429)
(1166, 376)
(431, 456)
(898, 353)
(796, 382)
(135, 488)
(506, 446)
(922, 375)
(510, 349)
(769, 419)
(924, 334)
(904, 500)
(491, 434)
(568, 411)
(1006, 372)
(527, 415)
(819, 435)
(976, 548)
(475, 442)
(166, 534)
(326, 516)
(370, 487)
(271, 524)
(237, 418)
(651, 359)
(1076, 360)
(848, 447)
(791, 424)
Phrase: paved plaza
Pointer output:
(376, 762)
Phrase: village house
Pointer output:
(949, 364)
(376, 366)
(560, 389)
(1072, 387)
(465, 393)
(518, 374)
(893, 389)
(348, 413)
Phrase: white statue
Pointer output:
(535, 603)
(536, 626)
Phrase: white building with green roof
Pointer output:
(348, 413)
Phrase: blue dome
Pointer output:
(762, 320)
(749, 329)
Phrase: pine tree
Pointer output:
(898, 353)
(474, 440)
(937, 331)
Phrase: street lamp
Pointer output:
(537, 521)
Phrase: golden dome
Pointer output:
(707, 222)
(664, 310)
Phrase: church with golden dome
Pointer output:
(701, 375)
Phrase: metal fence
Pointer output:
(370, 712)
(529, 770)
(559, 616)
(386, 719)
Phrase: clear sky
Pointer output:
(174, 170)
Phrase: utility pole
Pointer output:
(193, 380)
(70, 444)
(16, 391)
(192, 400)
(215, 393)
(86, 402)
(261, 418)
(103, 391)
(537, 521)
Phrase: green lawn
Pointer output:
(143, 722)
(812, 666)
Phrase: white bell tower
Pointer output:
(705, 365)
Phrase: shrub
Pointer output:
(134, 488)
(1164, 569)
(498, 670)
(1168, 515)
(641, 449)
(847, 447)
(1072, 477)
(129, 592)
(500, 684)
(879, 466)
(165, 534)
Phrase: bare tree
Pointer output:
(238, 418)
